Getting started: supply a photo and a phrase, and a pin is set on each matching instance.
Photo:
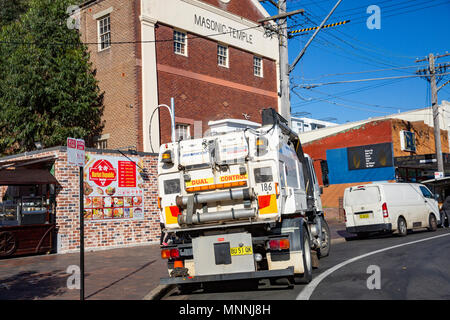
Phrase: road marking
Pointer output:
(306, 293)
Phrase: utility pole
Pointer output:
(282, 33)
(283, 36)
(285, 108)
(435, 107)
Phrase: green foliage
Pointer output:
(48, 90)
(10, 10)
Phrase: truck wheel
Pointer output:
(432, 223)
(324, 249)
(307, 260)
(401, 227)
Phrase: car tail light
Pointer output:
(385, 210)
(279, 244)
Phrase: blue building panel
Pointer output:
(339, 172)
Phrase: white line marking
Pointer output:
(309, 289)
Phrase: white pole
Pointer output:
(172, 105)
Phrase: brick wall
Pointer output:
(424, 135)
(118, 69)
(204, 91)
(243, 8)
(100, 233)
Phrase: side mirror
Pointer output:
(324, 167)
(436, 196)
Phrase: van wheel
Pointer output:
(432, 223)
(307, 260)
(401, 227)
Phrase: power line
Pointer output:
(125, 42)
(308, 86)
(358, 90)
(359, 72)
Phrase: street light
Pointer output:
(172, 119)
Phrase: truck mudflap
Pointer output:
(264, 274)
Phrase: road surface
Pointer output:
(384, 267)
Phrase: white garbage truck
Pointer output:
(240, 204)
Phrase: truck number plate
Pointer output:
(364, 216)
(240, 251)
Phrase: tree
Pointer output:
(10, 10)
(48, 89)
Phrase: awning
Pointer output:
(27, 171)
(26, 177)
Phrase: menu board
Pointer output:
(370, 156)
(113, 188)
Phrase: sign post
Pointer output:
(76, 156)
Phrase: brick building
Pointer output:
(376, 151)
(211, 56)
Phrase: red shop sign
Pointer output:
(102, 173)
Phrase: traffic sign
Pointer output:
(75, 151)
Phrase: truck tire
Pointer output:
(307, 259)
(401, 227)
(324, 250)
(432, 223)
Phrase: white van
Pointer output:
(390, 207)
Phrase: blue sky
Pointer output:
(409, 30)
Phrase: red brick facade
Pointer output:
(118, 69)
(243, 8)
(203, 91)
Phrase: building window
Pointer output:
(257, 66)
(104, 32)
(182, 132)
(101, 144)
(179, 42)
(222, 55)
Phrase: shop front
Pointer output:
(27, 206)
(418, 168)
(41, 188)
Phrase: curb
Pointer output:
(162, 289)
(338, 240)
(158, 292)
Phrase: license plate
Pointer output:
(364, 216)
(240, 251)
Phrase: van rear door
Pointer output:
(363, 205)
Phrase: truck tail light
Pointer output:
(385, 210)
(178, 264)
(170, 253)
(166, 157)
(165, 253)
(279, 244)
(159, 202)
(174, 253)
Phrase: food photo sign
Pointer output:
(113, 188)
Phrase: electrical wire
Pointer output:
(124, 42)
(308, 86)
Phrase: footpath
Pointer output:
(131, 273)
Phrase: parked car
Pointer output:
(390, 207)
